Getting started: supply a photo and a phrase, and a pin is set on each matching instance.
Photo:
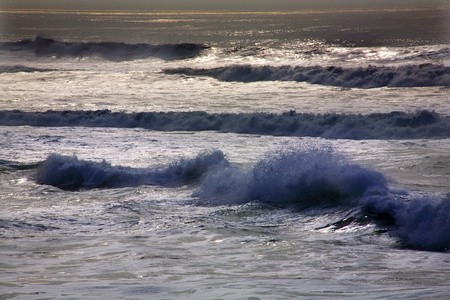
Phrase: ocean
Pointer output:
(225, 155)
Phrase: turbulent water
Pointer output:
(207, 155)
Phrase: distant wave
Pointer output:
(360, 77)
(71, 173)
(107, 50)
(394, 125)
(298, 178)
(20, 68)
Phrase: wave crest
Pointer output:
(361, 77)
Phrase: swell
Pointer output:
(107, 50)
(298, 178)
(7, 166)
(394, 125)
(360, 77)
(20, 68)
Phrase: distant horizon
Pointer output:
(217, 11)
(230, 5)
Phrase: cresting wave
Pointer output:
(361, 77)
(296, 178)
(394, 125)
(107, 50)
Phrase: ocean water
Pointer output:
(225, 155)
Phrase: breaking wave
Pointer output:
(299, 179)
(321, 178)
(71, 173)
(394, 125)
(108, 50)
(361, 77)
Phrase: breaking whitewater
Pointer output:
(258, 165)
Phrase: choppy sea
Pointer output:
(225, 155)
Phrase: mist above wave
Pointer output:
(360, 77)
(112, 51)
(394, 125)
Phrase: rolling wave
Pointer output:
(71, 173)
(361, 77)
(296, 178)
(108, 50)
(394, 125)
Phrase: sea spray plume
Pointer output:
(298, 178)
(393, 125)
(313, 177)
(361, 77)
(227, 186)
(71, 173)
